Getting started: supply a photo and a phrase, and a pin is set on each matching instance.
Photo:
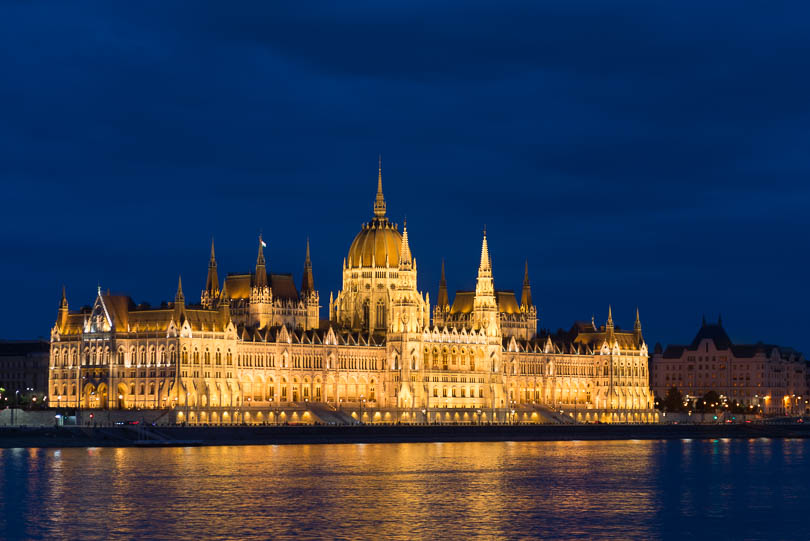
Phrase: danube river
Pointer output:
(715, 489)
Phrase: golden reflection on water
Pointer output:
(624, 489)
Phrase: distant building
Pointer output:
(765, 376)
(24, 367)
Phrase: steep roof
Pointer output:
(715, 333)
(283, 286)
(463, 302)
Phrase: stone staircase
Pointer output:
(327, 414)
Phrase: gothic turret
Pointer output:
(211, 292)
(485, 307)
(526, 296)
(309, 295)
(405, 258)
(179, 302)
(637, 327)
(260, 280)
(61, 320)
(307, 282)
(442, 300)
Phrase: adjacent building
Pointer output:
(253, 350)
(24, 369)
(762, 377)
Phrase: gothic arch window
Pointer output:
(365, 313)
(381, 320)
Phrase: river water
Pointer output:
(716, 489)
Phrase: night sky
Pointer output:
(637, 154)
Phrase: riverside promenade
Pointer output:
(150, 436)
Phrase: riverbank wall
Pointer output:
(149, 436)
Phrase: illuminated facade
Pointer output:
(760, 376)
(255, 350)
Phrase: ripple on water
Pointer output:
(633, 489)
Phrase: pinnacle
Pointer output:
(379, 201)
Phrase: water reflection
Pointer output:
(632, 489)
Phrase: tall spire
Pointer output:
(63, 304)
(212, 281)
(307, 282)
(442, 300)
(526, 297)
(179, 297)
(637, 325)
(609, 325)
(379, 201)
(486, 262)
(62, 317)
(261, 270)
(405, 258)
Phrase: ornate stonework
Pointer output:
(256, 351)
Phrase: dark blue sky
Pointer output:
(636, 153)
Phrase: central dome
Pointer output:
(377, 241)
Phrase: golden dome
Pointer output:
(376, 241)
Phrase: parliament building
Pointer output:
(254, 350)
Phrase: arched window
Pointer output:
(365, 313)
(381, 320)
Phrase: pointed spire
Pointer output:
(379, 201)
(609, 325)
(442, 300)
(307, 281)
(63, 304)
(179, 298)
(404, 248)
(526, 297)
(637, 325)
(260, 279)
(486, 262)
(212, 280)
(62, 317)
(260, 258)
